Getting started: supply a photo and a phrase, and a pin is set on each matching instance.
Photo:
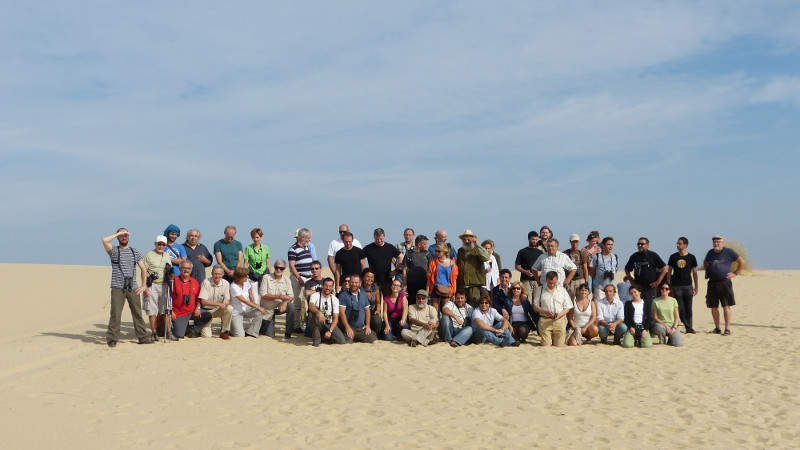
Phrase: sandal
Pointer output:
(727, 333)
(716, 331)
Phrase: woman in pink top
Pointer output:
(395, 306)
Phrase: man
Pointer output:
(275, 291)
(581, 261)
(682, 271)
(323, 315)
(603, 267)
(646, 269)
(124, 260)
(354, 312)
(336, 245)
(309, 244)
(554, 261)
(718, 264)
(197, 254)
(215, 297)
(455, 327)
(611, 316)
(349, 259)
(408, 241)
(489, 326)
(552, 302)
(157, 286)
(415, 265)
(176, 252)
(381, 256)
(423, 321)
(229, 253)
(185, 291)
(299, 257)
(471, 270)
(501, 293)
(314, 284)
(524, 263)
(545, 234)
(441, 238)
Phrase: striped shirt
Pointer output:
(559, 263)
(123, 265)
(302, 259)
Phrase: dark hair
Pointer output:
(505, 271)
(316, 261)
(644, 239)
(366, 271)
(584, 285)
(684, 240)
(552, 274)
(606, 239)
(326, 279)
(532, 234)
(407, 229)
(635, 286)
(593, 234)
(379, 232)
(348, 234)
(461, 291)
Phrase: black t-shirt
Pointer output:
(350, 260)
(645, 267)
(525, 259)
(417, 267)
(682, 268)
(380, 260)
(312, 284)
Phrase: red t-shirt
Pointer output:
(179, 287)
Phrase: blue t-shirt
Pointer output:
(354, 307)
(719, 264)
(230, 252)
(176, 251)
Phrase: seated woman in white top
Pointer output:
(582, 318)
(244, 305)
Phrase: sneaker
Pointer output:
(503, 343)
(690, 331)
(287, 336)
(315, 344)
(224, 336)
(515, 344)
(298, 330)
(172, 337)
(154, 337)
(191, 334)
(604, 340)
(146, 341)
(412, 343)
(454, 344)
(112, 344)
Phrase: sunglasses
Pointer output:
(664, 289)
(483, 302)
(516, 289)
(279, 268)
(161, 244)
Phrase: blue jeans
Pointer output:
(619, 332)
(479, 335)
(449, 333)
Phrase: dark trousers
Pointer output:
(684, 296)
(319, 329)
(181, 324)
(521, 330)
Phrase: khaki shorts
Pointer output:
(155, 303)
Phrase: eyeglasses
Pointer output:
(516, 289)
(161, 244)
(279, 268)
(483, 302)
(665, 289)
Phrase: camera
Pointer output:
(329, 319)
(608, 275)
(186, 299)
(127, 284)
(257, 265)
(151, 277)
(168, 273)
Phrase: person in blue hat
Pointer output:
(175, 251)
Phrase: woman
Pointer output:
(256, 256)
(395, 306)
(245, 306)
(520, 312)
(582, 318)
(639, 319)
(374, 296)
(492, 266)
(442, 275)
(665, 318)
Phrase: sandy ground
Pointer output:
(60, 385)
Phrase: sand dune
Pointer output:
(62, 386)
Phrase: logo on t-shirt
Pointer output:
(681, 263)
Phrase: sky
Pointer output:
(634, 118)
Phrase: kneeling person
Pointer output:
(215, 297)
(185, 290)
(323, 315)
(354, 313)
(552, 302)
(423, 320)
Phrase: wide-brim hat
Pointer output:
(467, 232)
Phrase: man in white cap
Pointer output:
(471, 270)
(581, 261)
(718, 265)
(155, 292)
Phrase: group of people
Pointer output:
(460, 295)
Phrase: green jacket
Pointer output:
(471, 271)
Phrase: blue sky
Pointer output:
(637, 118)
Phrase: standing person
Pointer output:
(646, 269)
(124, 260)
(492, 266)
(309, 244)
(404, 247)
(423, 321)
(415, 265)
(524, 263)
(185, 306)
(245, 306)
(665, 318)
(471, 271)
(277, 298)
(592, 248)
(381, 257)
(555, 261)
(300, 269)
(603, 267)
(455, 327)
(581, 261)
(314, 284)
(552, 302)
(229, 252)
(349, 260)
(175, 251)
(335, 246)
(545, 234)
(354, 317)
(442, 277)
(682, 271)
(323, 316)
(718, 264)
(638, 319)
(441, 238)
(197, 254)
(156, 287)
(256, 256)
(215, 297)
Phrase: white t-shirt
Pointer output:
(489, 317)
(337, 245)
(638, 312)
(461, 313)
(493, 275)
(240, 308)
(327, 305)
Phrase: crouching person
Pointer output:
(455, 326)
(215, 297)
(185, 290)
(423, 321)
(323, 316)
(244, 305)
(488, 325)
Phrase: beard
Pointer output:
(469, 246)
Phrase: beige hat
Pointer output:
(574, 237)
(422, 292)
(161, 238)
(467, 232)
